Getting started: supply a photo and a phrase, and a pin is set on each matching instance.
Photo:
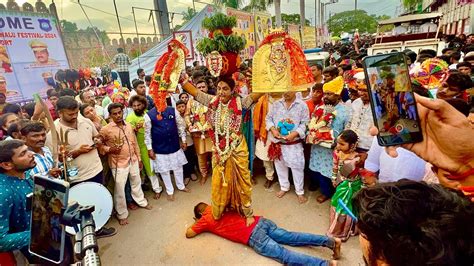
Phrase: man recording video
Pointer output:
(15, 184)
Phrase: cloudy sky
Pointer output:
(101, 12)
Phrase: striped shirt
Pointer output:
(121, 62)
(44, 163)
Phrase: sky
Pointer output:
(105, 18)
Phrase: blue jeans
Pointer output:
(267, 237)
(325, 184)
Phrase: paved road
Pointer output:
(157, 236)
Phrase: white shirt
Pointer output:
(179, 123)
(360, 123)
(399, 30)
(406, 165)
(428, 27)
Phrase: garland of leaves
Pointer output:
(219, 21)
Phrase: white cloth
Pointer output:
(178, 177)
(269, 170)
(120, 176)
(360, 122)
(168, 162)
(155, 183)
(428, 27)
(399, 30)
(293, 156)
(261, 149)
(298, 177)
(405, 165)
(453, 66)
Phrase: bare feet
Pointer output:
(337, 248)
(123, 221)
(187, 180)
(185, 190)
(254, 181)
(203, 179)
(281, 193)
(157, 195)
(148, 206)
(194, 177)
(321, 198)
(170, 197)
(132, 206)
(302, 199)
(332, 263)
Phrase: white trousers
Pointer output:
(120, 176)
(178, 177)
(269, 169)
(155, 184)
(298, 177)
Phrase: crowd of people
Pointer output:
(218, 127)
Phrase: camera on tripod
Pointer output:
(50, 214)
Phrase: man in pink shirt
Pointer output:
(121, 146)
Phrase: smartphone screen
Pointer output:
(47, 233)
(392, 99)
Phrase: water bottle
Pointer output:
(71, 167)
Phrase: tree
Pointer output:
(258, 5)
(411, 4)
(291, 19)
(188, 14)
(348, 21)
(68, 26)
(228, 3)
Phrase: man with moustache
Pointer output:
(321, 159)
(287, 121)
(137, 121)
(34, 136)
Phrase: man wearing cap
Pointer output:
(361, 118)
(321, 159)
(3, 85)
(40, 49)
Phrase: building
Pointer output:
(457, 15)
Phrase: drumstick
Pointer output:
(52, 128)
(344, 206)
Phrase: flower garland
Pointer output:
(319, 127)
(198, 120)
(226, 120)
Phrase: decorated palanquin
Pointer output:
(222, 47)
(279, 65)
(166, 74)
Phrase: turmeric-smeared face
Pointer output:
(224, 91)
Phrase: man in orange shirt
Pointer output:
(263, 235)
(124, 160)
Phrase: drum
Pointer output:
(91, 193)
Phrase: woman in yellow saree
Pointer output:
(231, 181)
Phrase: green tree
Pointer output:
(257, 5)
(412, 4)
(68, 26)
(348, 21)
(291, 19)
(228, 3)
(188, 14)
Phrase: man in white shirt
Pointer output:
(406, 165)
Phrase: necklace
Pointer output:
(222, 128)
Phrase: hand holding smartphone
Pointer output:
(47, 232)
(392, 99)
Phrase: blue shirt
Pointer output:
(44, 163)
(14, 216)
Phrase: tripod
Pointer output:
(85, 246)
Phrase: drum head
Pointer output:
(91, 193)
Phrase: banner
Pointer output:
(309, 37)
(245, 29)
(263, 25)
(31, 52)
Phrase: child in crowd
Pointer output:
(346, 180)
(190, 152)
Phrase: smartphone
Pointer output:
(392, 99)
(47, 233)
